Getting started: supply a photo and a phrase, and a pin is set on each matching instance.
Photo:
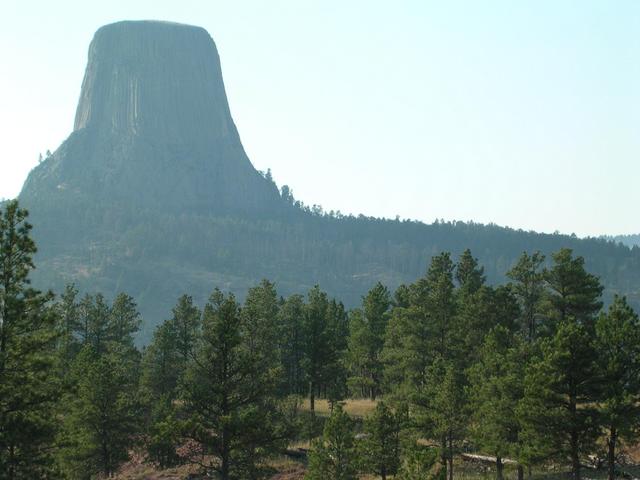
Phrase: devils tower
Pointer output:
(153, 194)
(153, 128)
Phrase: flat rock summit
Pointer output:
(153, 194)
(153, 127)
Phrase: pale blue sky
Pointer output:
(522, 113)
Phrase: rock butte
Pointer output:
(153, 127)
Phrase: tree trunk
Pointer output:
(443, 455)
(383, 473)
(224, 467)
(520, 472)
(575, 458)
(613, 437)
(11, 474)
(450, 457)
(499, 468)
(312, 398)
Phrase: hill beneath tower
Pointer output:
(153, 194)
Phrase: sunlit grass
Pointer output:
(359, 407)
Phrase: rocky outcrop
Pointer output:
(153, 128)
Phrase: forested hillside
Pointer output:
(157, 255)
(535, 375)
(629, 240)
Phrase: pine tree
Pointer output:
(158, 391)
(334, 377)
(230, 408)
(422, 329)
(292, 344)
(397, 357)
(27, 339)
(469, 274)
(160, 376)
(574, 293)
(528, 287)
(102, 415)
(442, 408)
(476, 313)
(124, 321)
(361, 360)
(260, 313)
(317, 342)
(558, 409)
(94, 328)
(334, 456)
(67, 327)
(496, 389)
(618, 345)
(366, 339)
(185, 324)
(381, 444)
(439, 306)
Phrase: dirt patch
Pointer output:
(293, 472)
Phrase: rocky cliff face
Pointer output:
(153, 128)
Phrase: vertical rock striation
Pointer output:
(153, 129)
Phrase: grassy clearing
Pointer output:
(359, 407)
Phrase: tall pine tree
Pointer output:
(27, 339)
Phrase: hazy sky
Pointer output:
(521, 113)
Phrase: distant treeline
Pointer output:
(534, 370)
(113, 244)
(628, 240)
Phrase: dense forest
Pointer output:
(155, 254)
(629, 240)
(533, 374)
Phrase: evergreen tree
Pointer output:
(94, 328)
(360, 356)
(396, 355)
(292, 344)
(469, 274)
(574, 293)
(618, 345)
(334, 455)
(67, 327)
(334, 377)
(260, 314)
(317, 342)
(185, 325)
(381, 445)
(442, 409)
(230, 409)
(423, 329)
(164, 433)
(102, 417)
(158, 391)
(160, 376)
(439, 306)
(495, 389)
(27, 339)
(124, 321)
(561, 387)
(366, 340)
(528, 287)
